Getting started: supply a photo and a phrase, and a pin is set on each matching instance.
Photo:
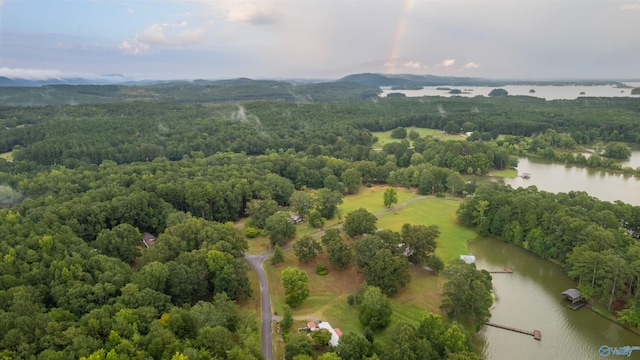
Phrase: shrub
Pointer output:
(321, 269)
(252, 232)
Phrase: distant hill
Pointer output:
(411, 81)
(185, 91)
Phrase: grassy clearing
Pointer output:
(433, 211)
(384, 137)
(7, 156)
(506, 173)
(372, 199)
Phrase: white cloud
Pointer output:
(448, 63)
(413, 64)
(165, 35)
(250, 12)
(154, 35)
(133, 47)
(635, 6)
(471, 65)
(31, 74)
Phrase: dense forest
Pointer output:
(82, 183)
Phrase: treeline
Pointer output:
(596, 241)
(187, 92)
(142, 131)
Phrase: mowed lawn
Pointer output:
(384, 137)
(328, 299)
(453, 238)
(372, 199)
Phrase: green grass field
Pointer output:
(433, 211)
(328, 299)
(384, 137)
(372, 199)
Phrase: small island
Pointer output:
(499, 92)
(532, 91)
(635, 91)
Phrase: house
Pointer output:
(148, 239)
(335, 332)
(297, 219)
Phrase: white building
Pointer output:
(335, 333)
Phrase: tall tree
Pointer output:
(260, 210)
(306, 249)
(360, 222)
(327, 202)
(352, 180)
(420, 241)
(280, 228)
(296, 286)
(467, 293)
(375, 309)
(302, 202)
(123, 242)
(390, 197)
(387, 271)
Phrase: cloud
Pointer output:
(448, 63)
(2, 3)
(154, 35)
(413, 64)
(165, 35)
(635, 6)
(250, 12)
(471, 65)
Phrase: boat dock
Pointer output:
(535, 333)
(503, 271)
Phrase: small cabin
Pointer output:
(297, 219)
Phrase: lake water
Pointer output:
(546, 91)
(530, 299)
(557, 177)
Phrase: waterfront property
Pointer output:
(575, 297)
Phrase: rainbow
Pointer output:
(389, 65)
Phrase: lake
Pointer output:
(556, 177)
(530, 299)
(547, 92)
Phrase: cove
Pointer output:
(530, 298)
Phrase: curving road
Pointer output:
(266, 342)
(256, 261)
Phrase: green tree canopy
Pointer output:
(375, 309)
(280, 228)
(360, 222)
(296, 287)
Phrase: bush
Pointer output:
(321, 269)
(351, 299)
(252, 232)
(399, 133)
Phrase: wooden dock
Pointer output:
(535, 333)
(503, 271)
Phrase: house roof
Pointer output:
(572, 293)
(148, 239)
(334, 334)
(311, 325)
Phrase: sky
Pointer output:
(323, 39)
